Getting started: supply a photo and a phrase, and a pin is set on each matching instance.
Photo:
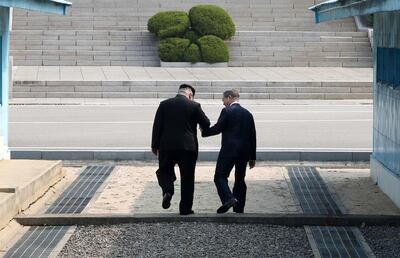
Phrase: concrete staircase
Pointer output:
(204, 89)
(158, 82)
(264, 15)
(270, 33)
(139, 48)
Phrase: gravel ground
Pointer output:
(188, 240)
(384, 241)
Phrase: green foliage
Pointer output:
(169, 24)
(192, 54)
(192, 36)
(173, 49)
(195, 37)
(213, 49)
(212, 20)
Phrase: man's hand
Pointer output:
(155, 151)
(252, 163)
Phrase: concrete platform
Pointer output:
(270, 219)
(22, 182)
(263, 154)
(8, 208)
(135, 190)
(159, 82)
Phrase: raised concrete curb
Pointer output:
(276, 219)
(204, 155)
(22, 182)
(8, 208)
(386, 179)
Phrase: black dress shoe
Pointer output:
(237, 210)
(186, 212)
(166, 201)
(226, 206)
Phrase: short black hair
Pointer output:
(231, 93)
(187, 86)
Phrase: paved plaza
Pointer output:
(134, 189)
(159, 82)
(229, 74)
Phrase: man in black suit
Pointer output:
(174, 140)
(238, 148)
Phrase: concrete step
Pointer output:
(114, 33)
(209, 89)
(275, 26)
(282, 16)
(22, 182)
(139, 48)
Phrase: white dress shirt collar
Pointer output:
(235, 102)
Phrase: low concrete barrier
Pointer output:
(276, 219)
(204, 155)
(23, 182)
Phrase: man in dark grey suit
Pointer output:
(238, 148)
(174, 140)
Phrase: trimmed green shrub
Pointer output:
(192, 36)
(212, 20)
(173, 49)
(169, 24)
(213, 49)
(192, 54)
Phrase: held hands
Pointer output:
(252, 163)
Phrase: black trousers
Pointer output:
(186, 161)
(222, 171)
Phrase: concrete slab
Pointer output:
(134, 189)
(116, 154)
(358, 193)
(120, 73)
(24, 181)
(305, 82)
(270, 219)
(8, 209)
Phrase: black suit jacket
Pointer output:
(175, 124)
(238, 133)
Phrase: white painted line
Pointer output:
(310, 111)
(150, 122)
(140, 149)
(107, 105)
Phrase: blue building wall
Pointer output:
(51, 6)
(4, 46)
(386, 144)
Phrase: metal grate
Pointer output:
(315, 198)
(41, 241)
(338, 242)
(80, 192)
(312, 192)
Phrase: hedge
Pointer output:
(192, 36)
(169, 24)
(212, 20)
(173, 49)
(213, 49)
(192, 54)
